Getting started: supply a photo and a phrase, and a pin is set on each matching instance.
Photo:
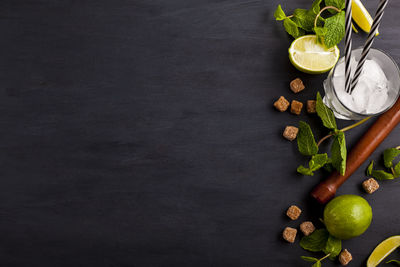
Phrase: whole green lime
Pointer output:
(347, 216)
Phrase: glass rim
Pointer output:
(368, 114)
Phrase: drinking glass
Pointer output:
(391, 71)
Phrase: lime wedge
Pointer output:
(383, 250)
(310, 56)
(361, 16)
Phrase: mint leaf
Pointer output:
(309, 259)
(316, 6)
(305, 19)
(305, 140)
(369, 169)
(316, 241)
(335, 26)
(389, 155)
(292, 28)
(320, 31)
(317, 161)
(317, 264)
(397, 170)
(326, 115)
(339, 152)
(305, 171)
(279, 14)
(340, 4)
(394, 261)
(333, 247)
(382, 175)
(329, 167)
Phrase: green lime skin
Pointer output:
(347, 216)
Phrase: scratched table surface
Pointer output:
(142, 133)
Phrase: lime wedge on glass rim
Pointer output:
(310, 56)
(383, 250)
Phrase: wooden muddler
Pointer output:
(363, 149)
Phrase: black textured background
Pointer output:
(142, 133)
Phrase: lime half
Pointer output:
(310, 56)
(383, 250)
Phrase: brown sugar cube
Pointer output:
(289, 234)
(345, 257)
(370, 185)
(281, 104)
(293, 212)
(297, 85)
(311, 106)
(296, 107)
(307, 228)
(290, 132)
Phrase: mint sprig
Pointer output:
(321, 241)
(389, 161)
(308, 146)
(329, 31)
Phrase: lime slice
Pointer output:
(361, 16)
(310, 56)
(383, 250)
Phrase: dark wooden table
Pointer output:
(142, 133)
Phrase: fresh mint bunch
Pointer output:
(389, 160)
(308, 147)
(321, 241)
(329, 31)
